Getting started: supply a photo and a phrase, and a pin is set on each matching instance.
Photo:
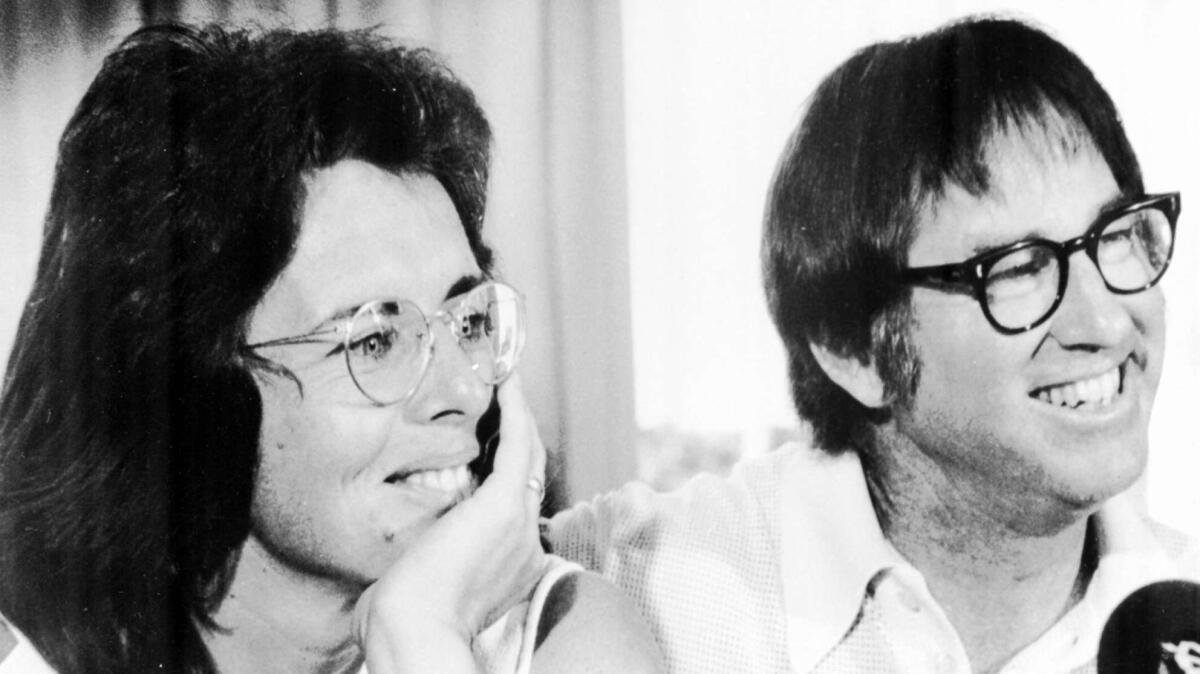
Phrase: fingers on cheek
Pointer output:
(512, 410)
(517, 435)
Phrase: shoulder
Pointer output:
(635, 516)
(701, 563)
(587, 625)
(712, 530)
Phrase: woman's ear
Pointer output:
(857, 377)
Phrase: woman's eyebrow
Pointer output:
(463, 284)
(338, 317)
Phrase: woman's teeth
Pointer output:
(456, 479)
(1096, 391)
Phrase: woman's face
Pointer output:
(344, 485)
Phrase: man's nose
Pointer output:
(1090, 315)
(451, 389)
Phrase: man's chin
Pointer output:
(1083, 494)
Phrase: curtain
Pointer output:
(549, 76)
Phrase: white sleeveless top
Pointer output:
(506, 647)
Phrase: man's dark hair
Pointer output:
(883, 136)
(130, 418)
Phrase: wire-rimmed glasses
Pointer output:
(388, 344)
(1019, 286)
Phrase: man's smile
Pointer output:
(1093, 392)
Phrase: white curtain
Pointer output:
(547, 73)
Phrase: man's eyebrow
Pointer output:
(1113, 203)
(1118, 200)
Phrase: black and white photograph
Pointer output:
(518, 336)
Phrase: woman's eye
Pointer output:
(375, 345)
(473, 326)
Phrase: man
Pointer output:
(961, 258)
(241, 429)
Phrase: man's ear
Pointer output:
(859, 379)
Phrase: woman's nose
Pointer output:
(451, 387)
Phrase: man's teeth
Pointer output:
(1096, 391)
(445, 479)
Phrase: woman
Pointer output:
(240, 428)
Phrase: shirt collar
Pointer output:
(1130, 555)
(831, 547)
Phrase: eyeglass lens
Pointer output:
(1131, 252)
(388, 347)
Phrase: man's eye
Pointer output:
(1020, 273)
(1017, 271)
(1117, 235)
(1122, 238)
(1026, 263)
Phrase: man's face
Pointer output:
(1032, 420)
(344, 486)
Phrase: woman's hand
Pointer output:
(476, 562)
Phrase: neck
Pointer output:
(1004, 569)
(278, 619)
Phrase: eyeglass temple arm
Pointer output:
(955, 274)
(307, 338)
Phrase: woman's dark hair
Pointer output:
(129, 420)
(883, 135)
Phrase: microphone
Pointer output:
(1156, 629)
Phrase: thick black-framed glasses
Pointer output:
(1019, 286)
(388, 344)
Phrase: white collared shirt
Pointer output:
(783, 567)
